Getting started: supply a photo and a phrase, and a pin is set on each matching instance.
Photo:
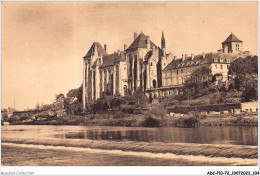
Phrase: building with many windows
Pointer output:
(179, 70)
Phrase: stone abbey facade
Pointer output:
(147, 67)
(138, 67)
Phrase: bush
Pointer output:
(129, 109)
(138, 99)
(190, 122)
(249, 94)
(150, 122)
(119, 114)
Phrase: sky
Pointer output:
(43, 43)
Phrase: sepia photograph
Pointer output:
(115, 83)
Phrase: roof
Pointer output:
(140, 42)
(148, 55)
(100, 50)
(198, 60)
(111, 58)
(73, 93)
(232, 38)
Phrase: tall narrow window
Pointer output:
(216, 66)
(221, 67)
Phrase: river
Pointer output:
(203, 135)
(124, 146)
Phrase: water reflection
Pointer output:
(203, 135)
(218, 135)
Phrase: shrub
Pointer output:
(129, 109)
(249, 94)
(138, 99)
(150, 122)
(118, 114)
(190, 122)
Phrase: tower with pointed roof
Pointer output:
(162, 41)
(232, 44)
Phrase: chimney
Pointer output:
(183, 58)
(203, 55)
(153, 49)
(186, 56)
(105, 47)
(192, 56)
(125, 47)
(135, 35)
(148, 42)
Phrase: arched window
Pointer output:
(151, 64)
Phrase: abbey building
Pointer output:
(148, 67)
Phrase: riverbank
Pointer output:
(144, 120)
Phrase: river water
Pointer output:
(203, 135)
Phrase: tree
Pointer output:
(248, 65)
(199, 82)
(60, 97)
(37, 107)
(4, 116)
(244, 72)
(137, 99)
(201, 74)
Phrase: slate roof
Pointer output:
(140, 42)
(148, 55)
(73, 93)
(100, 50)
(111, 58)
(232, 38)
(198, 60)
